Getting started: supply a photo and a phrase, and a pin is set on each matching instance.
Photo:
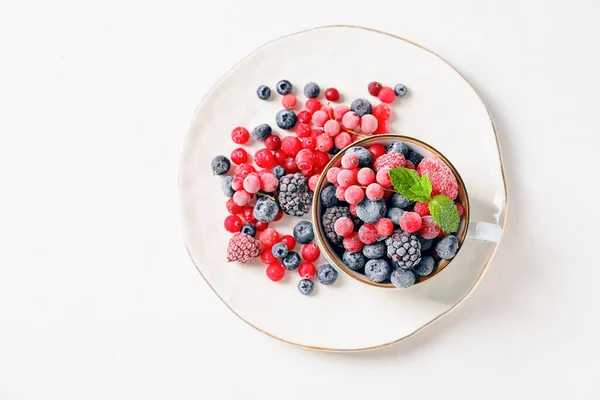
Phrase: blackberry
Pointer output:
(328, 197)
(306, 286)
(377, 270)
(261, 132)
(295, 198)
(331, 215)
(404, 249)
(263, 92)
(286, 119)
(311, 90)
(364, 156)
(361, 107)
(220, 165)
(284, 87)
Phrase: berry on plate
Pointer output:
(242, 248)
(306, 286)
(326, 274)
(240, 135)
(310, 252)
(275, 272)
(269, 237)
(307, 270)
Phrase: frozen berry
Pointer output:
(243, 170)
(387, 94)
(240, 135)
(339, 111)
(342, 140)
(279, 250)
(264, 158)
(239, 156)
(440, 175)
(326, 274)
(425, 267)
(349, 161)
(303, 130)
(248, 214)
(312, 182)
(311, 90)
(286, 119)
(263, 92)
(291, 261)
(354, 194)
(290, 165)
(227, 186)
(233, 223)
(269, 237)
(429, 229)
(460, 208)
(370, 211)
(368, 124)
(389, 160)
(403, 278)
(331, 127)
(288, 101)
(291, 145)
(374, 191)
(267, 257)
(400, 90)
(352, 209)
(241, 197)
(304, 116)
(353, 243)
(275, 272)
(409, 165)
(284, 87)
(332, 94)
(319, 118)
(280, 157)
(303, 232)
(306, 286)
(313, 105)
(376, 150)
(354, 260)
(252, 183)
(383, 177)
(242, 248)
(367, 234)
(268, 182)
(309, 143)
(261, 226)
(394, 214)
(265, 209)
(232, 207)
(374, 88)
(447, 247)
(343, 226)
(346, 177)
(220, 165)
(377, 270)
(261, 132)
(364, 156)
(414, 157)
(305, 159)
(350, 120)
(382, 112)
(425, 243)
(361, 107)
(340, 193)
(422, 209)
(398, 147)
(365, 176)
(374, 250)
(382, 128)
(398, 200)
(278, 171)
(410, 222)
(324, 143)
(289, 241)
(321, 159)
(307, 270)
(272, 142)
(384, 227)
(310, 252)
(249, 229)
(332, 174)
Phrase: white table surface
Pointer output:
(98, 299)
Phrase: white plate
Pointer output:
(442, 109)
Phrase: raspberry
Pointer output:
(382, 112)
(239, 156)
(307, 270)
(343, 226)
(304, 116)
(383, 177)
(353, 243)
(303, 130)
(368, 234)
(350, 120)
(233, 223)
(261, 226)
(312, 105)
(339, 111)
(267, 257)
(241, 197)
(291, 145)
(384, 227)
(275, 272)
(324, 143)
(349, 161)
(273, 142)
(422, 209)
(232, 207)
(305, 159)
(240, 135)
(354, 194)
(243, 170)
(242, 248)
(365, 176)
(268, 182)
(311, 252)
(342, 140)
(288, 101)
(321, 159)
(252, 183)
(374, 88)
(382, 128)
(312, 182)
(374, 192)
(332, 94)
(376, 150)
(442, 179)
(331, 127)
(309, 143)
(346, 177)
(429, 229)
(387, 94)
(269, 237)
(389, 160)
(289, 241)
(280, 157)
(319, 118)
(460, 208)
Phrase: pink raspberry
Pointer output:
(350, 120)
(332, 127)
(354, 194)
(242, 248)
(343, 226)
(340, 193)
(374, 191)
(410, 222)
(349, 161)
(442, 179)
(365, 176)
(429, 229)
(340, 110)
(384, 227)
(409, 165)
(390, 160)
(368, 234)
(422, 209)
(383, 177)
(346, 177)
(352, 243)
(332, 174)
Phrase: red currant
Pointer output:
(272, 142)
(288, 101)
(382, 128)
(305, 159)
(377, 150)
(280, 157)
(307, 270)
(312, 181)
(321, 159)
(303, 130)
(289, 241)
(261, 226)
(278, 216)
(313, 105)
(264, 158)
(290, 166)
(382, 112)
(374, 88)
(367, 234)
(243, 170)
(324, 143)
(384, 227)
(309, 143)
(304, 116)
(248, 214)
(353, 243)
(233, 223)
(275, 272)
(332, 94)
(410, 222)
(239, 156)
(240, 135)
(342, 140)
(232, 207)
(269, 237)
(267, 257)
(291, 145)
(387, 94)
(311, 252)
(237, 183)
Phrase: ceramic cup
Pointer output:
(468, 229)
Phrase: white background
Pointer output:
(98, 298)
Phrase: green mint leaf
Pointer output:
(409, 184)
(426, 184)
(444, 213)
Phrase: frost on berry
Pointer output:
(242, 248)
(440, 175)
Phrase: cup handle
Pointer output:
(484, 232)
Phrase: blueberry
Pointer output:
(425, 244)
(377, 270)
(375, 250)
(364, 156)
(361, 107)
(399, 201)
(403, 278)
(425, 267)
(261, 132)
(278, 171)
(311, 90)
(398, 147)
(263, 92)
(400, 90)
(303, 232)
(291, 261)
(249, 229)
(284, 87)
(395, 213)
(447, 247)
(286, 119)
(279, 250)
(328, 197)
(220, 165)
(265, 209)
(306, 286)
(326, 274)
(414, 157)
(334, 150)
(226, 186)
(370, 211)
(354, 261)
